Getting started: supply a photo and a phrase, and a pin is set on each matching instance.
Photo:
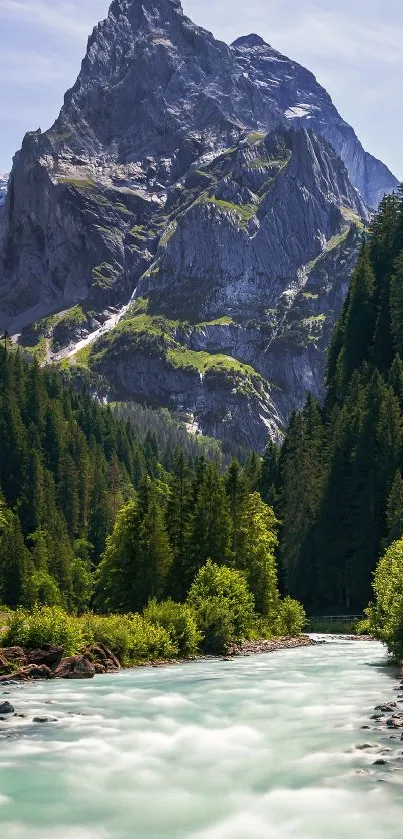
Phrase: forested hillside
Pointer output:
(337, 482)
(91, 518)
(66, 466)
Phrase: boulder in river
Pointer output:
(385, 708)
(75, 667)
(394, 722)
(6, 708)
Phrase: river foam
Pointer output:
(263, 747)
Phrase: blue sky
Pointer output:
(354, 47)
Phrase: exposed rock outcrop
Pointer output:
(216, 182)
(75, 667)
(47, 662)
(48, 654)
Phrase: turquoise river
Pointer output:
(263, 747)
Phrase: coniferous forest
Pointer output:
(336, 484)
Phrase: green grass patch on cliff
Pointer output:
(255, 137)
(138, 307)
(353, 217)
(71, 318)
(223, 321)
(82, 357)
(141, 333)
(155, 336)
(245, 212)
(241, 377)
(168, 233)
(40, 351)
(104, 275)
(332, 244)
(267, 163)
(78, 183)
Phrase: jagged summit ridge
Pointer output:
(251, 40)
(148, 62)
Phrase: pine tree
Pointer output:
(155, 552)
(303, 470)
(394, 510)
(396, 304)
(236, 484)
(360, 317)
(395, 379)
(136, 565)
(178, 513)
(14, 559)
(209, 530)
(270, 479)
(252, 472)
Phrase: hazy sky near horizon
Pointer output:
(354, 47)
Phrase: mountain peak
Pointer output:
(249, 41)
(119, 7)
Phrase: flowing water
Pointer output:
(263, 747)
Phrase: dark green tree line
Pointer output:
(338, 490)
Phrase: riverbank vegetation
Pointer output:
(385, 615)
(219, 612)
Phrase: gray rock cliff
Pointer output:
(214, 186)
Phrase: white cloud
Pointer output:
(32, 68)
(351, 33)
(73, 19)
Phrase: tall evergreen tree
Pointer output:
(209, 529)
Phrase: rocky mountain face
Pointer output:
(3, 189)
(188, 226)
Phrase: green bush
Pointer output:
(132, 638)
(215, 622)
(223, 605)
(44, 625)
(291, 618)
(180, 621)
(385, 616)
(41, 589)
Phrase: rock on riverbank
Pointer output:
(47, 662)
(270, 646)
(387, 721)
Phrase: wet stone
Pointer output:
(6, 708)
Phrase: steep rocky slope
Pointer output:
(219, 189)
(3, 189)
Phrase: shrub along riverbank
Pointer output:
(218, 614)
(385, 615)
